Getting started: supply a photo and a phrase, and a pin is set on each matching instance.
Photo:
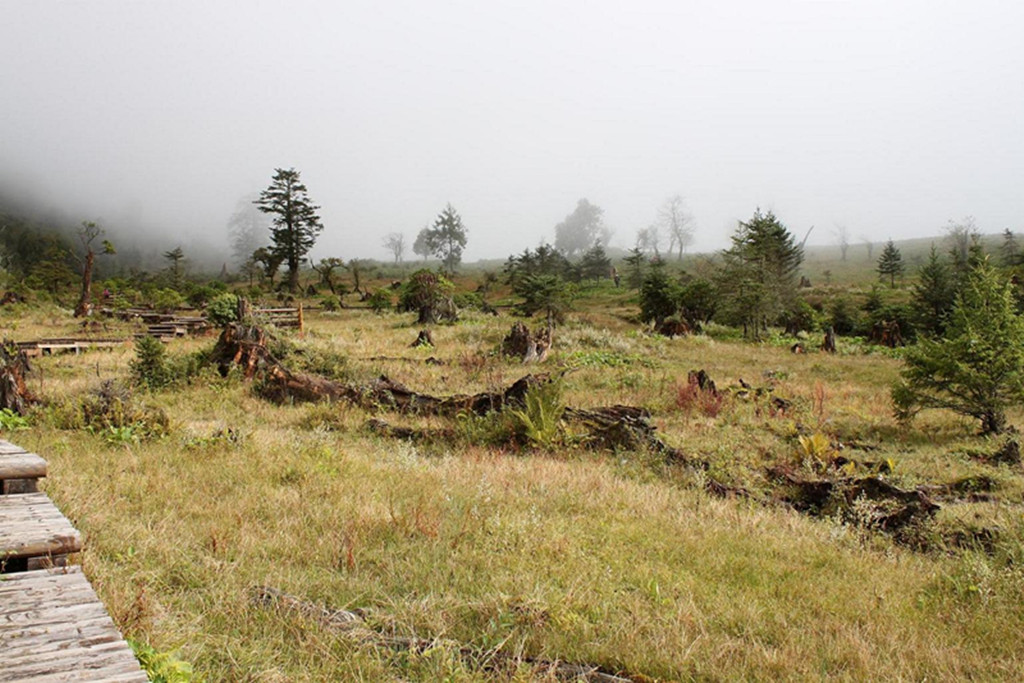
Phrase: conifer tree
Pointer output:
(933, 295)
(977, 368)
(890, 263)
(758, 280)
(296, 224)
(447, 238)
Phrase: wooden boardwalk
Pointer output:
(53, 627)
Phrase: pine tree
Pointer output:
(1010, 250)
(933, 295)
(447, 238)
(296, 224)
(595, 264)
(977, 368)
(890, 263)
(758, 280)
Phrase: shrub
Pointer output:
(110, 410)
(223, 309)
(149, 368)
(690, 399)
(330, 303)
(380, 301)
(166, 300)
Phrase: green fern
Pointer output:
(162, 667)
(541, 414)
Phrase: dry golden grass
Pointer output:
(611, 559)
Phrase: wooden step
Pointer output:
(19, 472)
(34, 534)
(53, 627)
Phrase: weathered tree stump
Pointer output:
(829, 343)
(14, 393)
(673, 328)
(702, 380)
(528, 347)
(424, 338)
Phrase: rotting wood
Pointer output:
(282, 385)
(526, 346)
(828, 345)
(896, 507)
(14, 393)
(353, 624)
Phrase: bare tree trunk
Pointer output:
(82, 309)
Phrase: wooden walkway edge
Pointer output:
(53, 626)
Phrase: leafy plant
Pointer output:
(380, 301)
(539, 418)
(11, 421)
(162, 667)
(223, 309)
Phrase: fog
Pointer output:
(888, 118)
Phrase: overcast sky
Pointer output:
(890, 117)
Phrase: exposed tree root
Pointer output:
(354, 625)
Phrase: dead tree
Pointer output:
(87, 234)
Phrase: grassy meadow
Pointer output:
(556, 553)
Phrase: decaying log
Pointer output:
(353, 624)
(281, 385)
(626, 427)
(892, 507)
(702, 381)
(529, 347)
(14, 393)
(887, 333)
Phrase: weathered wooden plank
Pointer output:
(21, 466)
(8, 447)
(32, 526)
(54, 628)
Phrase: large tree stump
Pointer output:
(828, 345)
(14, 393)
(243, 345)
(526, 346)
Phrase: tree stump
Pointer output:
(425, 338)
(14, 393)
(829, 344)
(528, 347)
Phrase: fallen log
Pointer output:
(891, 508)
(281, 385)
(353, 624)
(629, 428)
